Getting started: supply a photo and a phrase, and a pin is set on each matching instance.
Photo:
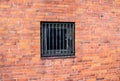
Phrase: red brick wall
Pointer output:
(97, 40)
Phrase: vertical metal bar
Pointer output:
(69, 33)
(70, 38)
(48, 39)
(42, 38)
(45, 38)
(73, 38)
(64, 48)
(52, 26)
(60, 37)
(56, 36)
(62, 27)
(67, 36)
(69, 25)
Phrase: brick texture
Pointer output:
(97, 40)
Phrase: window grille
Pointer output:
(57, 39)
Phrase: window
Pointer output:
(57, 39)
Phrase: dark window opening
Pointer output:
(57, 39)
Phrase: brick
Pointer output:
(91, 79)
(10, 80)
(22, 79)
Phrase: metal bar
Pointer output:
(48, 38)
(60, 37)
(45, 38)
(67, 36)
(70, 38)
(73, 38)
(52, 26)
(63, 36)
(56, 35)
(42, 38)
(57, 39)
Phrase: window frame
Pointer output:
(58, 53)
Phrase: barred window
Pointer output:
(57, 39)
